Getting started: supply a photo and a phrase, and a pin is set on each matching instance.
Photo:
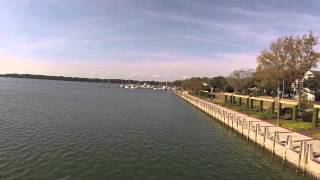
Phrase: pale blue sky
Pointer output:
(150, 39)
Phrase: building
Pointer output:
(309, 94)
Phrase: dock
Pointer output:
(299, 150)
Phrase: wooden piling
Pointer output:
(264, 137)
(249, 130)
(256, 134)
(300, 155)
(274, 142)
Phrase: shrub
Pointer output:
(287, 113)
(307, 116)
(266, 116)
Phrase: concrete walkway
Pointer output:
(297, 149)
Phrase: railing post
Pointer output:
(279, 108)
(260, 106)
(251, 103)
(272, 107)
(315, 117)
(294, 112)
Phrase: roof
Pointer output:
(314, 71)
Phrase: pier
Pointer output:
(294, 148)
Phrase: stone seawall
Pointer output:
(292, 147)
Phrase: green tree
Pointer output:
(205, 79)
(193, 84)
(287, 60)
(218, 83)
(177, 83)
(241, 80)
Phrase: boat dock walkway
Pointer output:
(300, 150)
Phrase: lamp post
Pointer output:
(279, 109)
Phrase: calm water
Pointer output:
(74, 130)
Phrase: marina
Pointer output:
(144, 86)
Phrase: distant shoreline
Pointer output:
(78, 79)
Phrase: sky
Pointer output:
(145, 39)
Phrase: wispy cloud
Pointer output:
(184, 18)
(145, 39)
(143, 69)
(221, 42)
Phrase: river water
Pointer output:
(77, 130)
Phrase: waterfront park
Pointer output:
(275, 105)
(283, 89)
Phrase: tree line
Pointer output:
(280, 68)
(98, 80)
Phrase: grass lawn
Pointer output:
(289, 124)
(300, 126)
(305, 128)
(294, 125)
(219, 101)
(316, 135)
(252, 112)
